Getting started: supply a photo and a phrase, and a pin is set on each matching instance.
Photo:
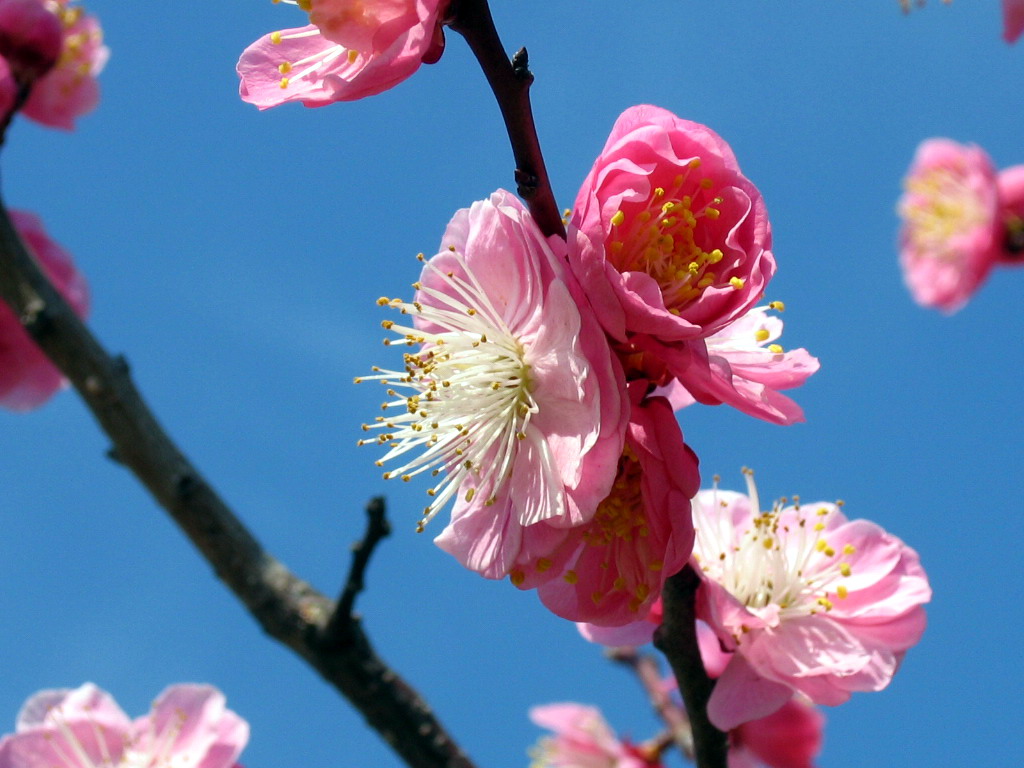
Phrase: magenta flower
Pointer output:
(348, 52)
(510, 398)
(669, 240)
(805, 599)
(746, 368)
(27, 377)
(70, 90)
(188, 727)
(790, 737)
(582, 739)
(31, 37)
(611, 570)
(1013, 19)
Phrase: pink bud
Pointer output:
(31, 38)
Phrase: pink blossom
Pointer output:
(349, 57)
(1010, 182)
(27, 377)
(952, 233)
(69, 90)
(805, 599)
(8, 90)
(31, 37)
(612, 568)
(512, 399)
(187, 727)
(746, 368)
(669, 240)
(790, 737)
(582, 739)
(1013, 19)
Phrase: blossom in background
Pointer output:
(27, 377)
(347, 52)
(1013, 19)
(187, 727)
(510, 397)
(668, 238)
(582, 739)
(70, 90)
(790, 737)
(611, 570)
(804, 599)
(31, 38)
(746, 368)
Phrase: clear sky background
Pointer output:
(235, 258)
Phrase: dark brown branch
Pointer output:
(677, 639)
(510, 81)
(377, 528)
(647, 673)
(288, 609)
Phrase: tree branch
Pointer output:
(510, 81)
(288, 609)
(677, 639)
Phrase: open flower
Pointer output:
(611, 570)
(790, 737)
(31, 37)
(805, 599)
(70, 90)
(669, 240)
(27, 377)
(746, 368)
(348, 52)
(510, 397)
(188, 727)
(583, 739)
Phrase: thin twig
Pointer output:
(288, 609)
(677, 639)
(510, 81)
(647, 673)
(377, 528)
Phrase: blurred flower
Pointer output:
(1013, 19)
(806, 600)
(27, 377)
(348, 52)
(952, 232)
(187, 727)
(790, 737)
(746, 368)
(70, 90)
(582, 739)
(31, 37)
(669, 240)
(612, 568)
(512, 396)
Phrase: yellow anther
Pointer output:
(849, 549)
(736, 282)
(597, 597)
(825, 603)
(693, 267)
(706, 183)
(712, 213)
(656, 565)
(819, 527)
(821, 545)
(352, 56)
(775, 349)
(761, 334)
(284, 82)
(844, 568)
(715, 256)
(778, 306)
(842, 592)
(642, 592)
(571, 577)
(284, 67)
(306, 5)
(619, 584)
(767, 543)
(618, 218)
(659, 191)
(517, 577)
(470, 494)
(829, 552)
(275, 38)
(822, 512)
(543, 565)
(695, 163)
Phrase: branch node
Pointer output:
(115, 456)
(121, 366)
(526, 184)
(185, 484)
(521, 67)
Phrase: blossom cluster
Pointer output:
(50, 54)
(960, 219)
(541, 375)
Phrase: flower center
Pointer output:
(940, 206)
(464, 399)
(663, 237)
(782, 560)
(149, 749)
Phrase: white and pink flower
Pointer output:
(188, 727)
(349, 51)
(804, 599)
(583, 739)
(510, 397)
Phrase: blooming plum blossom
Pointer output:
(1013, 19)
(746, 368)
(510, 396)
(583, 739)
(790, 737)
(348, 52)
(952, 231)
(612, 568)
(31, 37)
(187, 727)
(804, 599)
(27, 377)
(669, 239)
(70, 90)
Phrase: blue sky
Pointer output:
(235, 257)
